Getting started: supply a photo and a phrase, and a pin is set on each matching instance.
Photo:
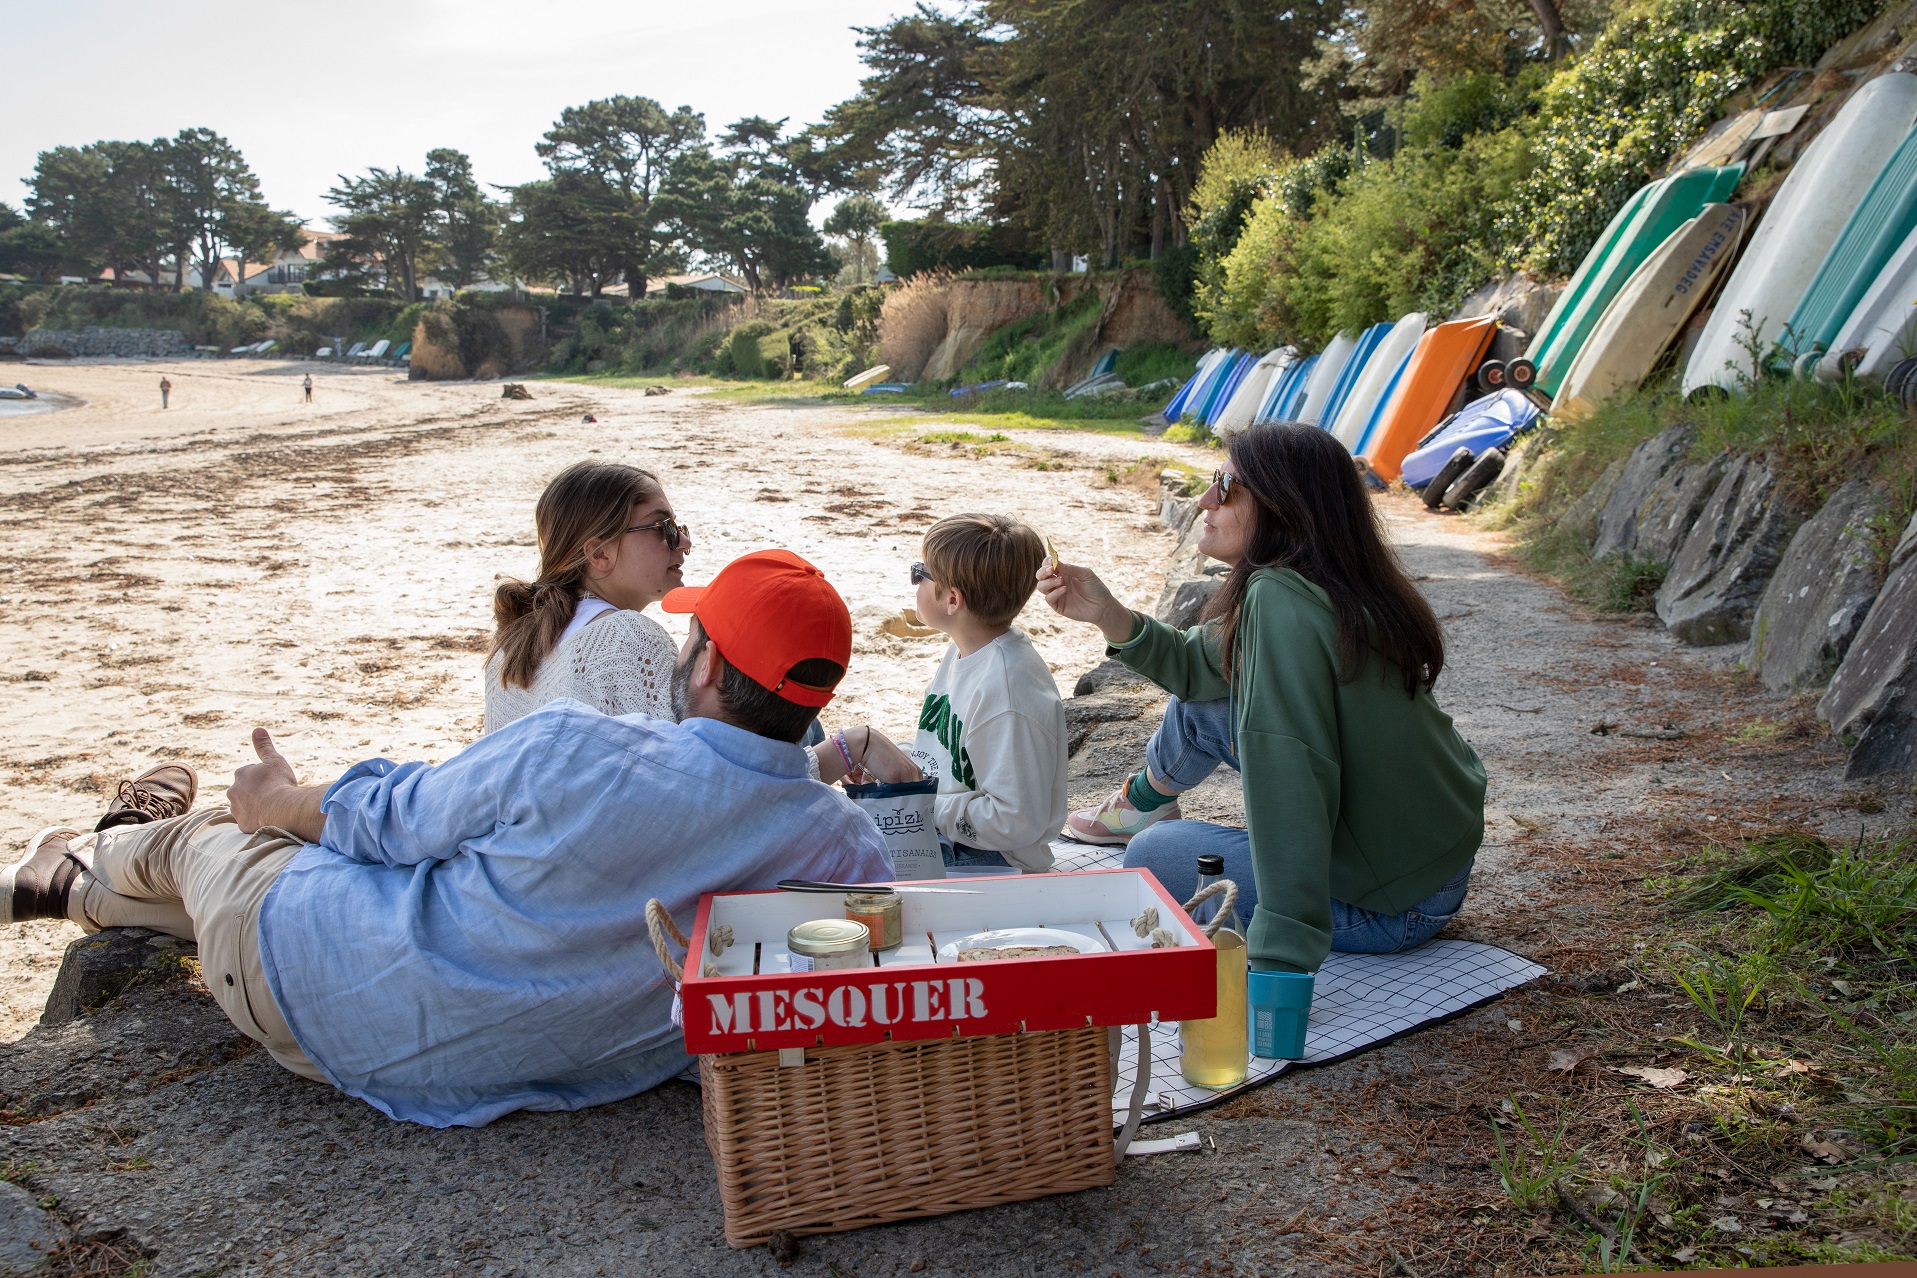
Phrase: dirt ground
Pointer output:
(172, 579)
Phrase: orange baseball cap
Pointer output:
(766, 612)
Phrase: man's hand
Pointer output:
(269, 793)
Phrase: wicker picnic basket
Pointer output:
(817, 1137)
(823, 1139)
(872, 1132)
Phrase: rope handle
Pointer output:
(659, 925)
(1230, 891)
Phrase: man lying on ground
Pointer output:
(453, 943)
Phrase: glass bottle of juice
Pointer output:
(1216, 1052)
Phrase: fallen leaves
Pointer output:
(1662, 1079)
(1825, 1150)
(1567, 1059)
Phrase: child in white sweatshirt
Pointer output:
(992, 728)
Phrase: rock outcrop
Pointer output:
(1820, 594)
(1518, 301)
(28, 1235)
(1193, 576)
(1872, 699)
(1720, 569)
(1665, 519)
(1631, 488)
(98, 968)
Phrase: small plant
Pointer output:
(1530, 1176)
(1724, 991)
(1191, 432)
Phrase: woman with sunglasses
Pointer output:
(1311, 676)
(609, 547)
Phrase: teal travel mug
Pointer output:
(1280, 1006)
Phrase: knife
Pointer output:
(811, 885)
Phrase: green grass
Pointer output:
(1816, 438)
(1784, 969)
(1027, 349)
(1019, 409)
(932, 408)
(1819, 938)
(1150, 362)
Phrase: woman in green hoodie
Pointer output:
(1311, 675)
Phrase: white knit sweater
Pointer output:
(618, 663)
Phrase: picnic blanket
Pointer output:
(1361, 1001)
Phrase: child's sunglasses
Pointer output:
(920, 574)
(673, 533)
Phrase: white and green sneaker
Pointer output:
(1116, 820)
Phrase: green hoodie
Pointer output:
(1352, 790)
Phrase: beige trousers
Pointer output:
(199, 878)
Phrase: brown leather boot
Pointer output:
(36, 886)
(154, 795)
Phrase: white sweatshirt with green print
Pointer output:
(992, 730)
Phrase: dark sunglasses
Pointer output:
(920, 574)
(1223, 482)
(673, 533)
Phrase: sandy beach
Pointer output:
(173, 578)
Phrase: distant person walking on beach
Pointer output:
(166, 388)
(306, 384)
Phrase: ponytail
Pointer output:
(528, 618)
(585, 506)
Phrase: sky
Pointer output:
(313, 91)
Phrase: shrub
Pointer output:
(1239, 169)
(461, 339)
(918, 247)
(1653, 80)
(912, 324)
(1416, 232)
(748, 359)
(1175, 272)
(1149, 362)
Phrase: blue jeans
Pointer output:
(1188, 747)
(964, 855)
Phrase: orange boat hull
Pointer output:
(1445, 356)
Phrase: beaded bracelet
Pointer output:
(838, 739)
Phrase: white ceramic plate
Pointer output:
(1003, 938)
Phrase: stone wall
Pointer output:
(92, 343)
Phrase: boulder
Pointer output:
(1648, 463)
(1872, 699)
(28, 1235)
(1721, 569)
(1106, 675)
(1184, 604)
(1819, 595)
(1906, 545)
(1665, 518)
(1188, 565)
(1507, 343)
(97, 969)
(1083, 715)
(1518, 301)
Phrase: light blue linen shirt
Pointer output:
(470, 939)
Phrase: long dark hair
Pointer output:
(1311, 515)
(585, 503)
